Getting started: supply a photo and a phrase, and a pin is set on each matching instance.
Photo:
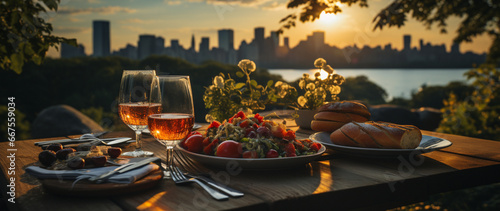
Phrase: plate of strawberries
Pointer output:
(249, 142)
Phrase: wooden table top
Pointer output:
(334, 181)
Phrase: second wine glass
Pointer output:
(176, 119)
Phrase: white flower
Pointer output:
(302, 101)
(329, 69)
(320, 63)
(310, 86)
(219, 82)
(247, 65)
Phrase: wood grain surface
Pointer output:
(334, 181)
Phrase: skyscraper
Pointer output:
(146, 46)
(226, 39)
(286, 42)
(407, 42)
(318, 38)
(275, 37)
(205, 45)
(192, 48)
(259, 34)
(100, 38)
(159, 45)
(69, 51)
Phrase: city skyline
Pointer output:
(181, 19)
(268, 52)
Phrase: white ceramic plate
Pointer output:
(195, 127)
(427, 144)
(254, 163)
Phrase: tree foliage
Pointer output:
(24, 35)
(477, 17)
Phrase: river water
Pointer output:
(396, 82)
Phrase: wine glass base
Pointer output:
(138, 153)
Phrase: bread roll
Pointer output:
(377, 135)
(332, 116)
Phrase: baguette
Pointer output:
(377, 135)
(332, 116)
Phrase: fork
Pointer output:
(187, 165)
(179, 178)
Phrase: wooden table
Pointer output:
(335, 181)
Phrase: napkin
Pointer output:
(79, 174)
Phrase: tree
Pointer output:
(24, 34)
(478, 17)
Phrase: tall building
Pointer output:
(69, 51)
(286, 42)
(192, 48)
(407, 42)
(318, 38)
(259, 34)
(146, 46)
(100, 38)
(275, 37)
(159, 45)
(226, 39)
(205, 45)
(455, 48)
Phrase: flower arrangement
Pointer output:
(225, 96)
(317, 91)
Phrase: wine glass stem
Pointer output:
(170, 155)
(138, 141)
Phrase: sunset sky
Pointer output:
(173, 19)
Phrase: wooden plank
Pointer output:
(29, 194)
(485, 149)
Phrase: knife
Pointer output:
(124, 168)
(70, 141)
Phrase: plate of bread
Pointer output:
(344, 127)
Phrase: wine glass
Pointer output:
(177, 116)
(134, 104)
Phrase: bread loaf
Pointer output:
(332, 116)
(377, 135)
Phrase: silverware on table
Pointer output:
(179, 178)
(186, 164)
(124, 168)
(75, 141)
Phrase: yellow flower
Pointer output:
(278, 83)
(310, 86)
(302, 101)
(305, 75)
(302, 83)
(329, 69)
(219, 82)
(317, 74)
(335, 90)
(247, 65)
(209, 118)
(320, 63)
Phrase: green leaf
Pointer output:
(270, 83)
(17, 62)
(253, 83)
(239, 85)
(240, 74)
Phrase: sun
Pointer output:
(327, 18)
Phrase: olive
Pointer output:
(76, 163)
(99, 161)
(47, 157)
(114, 152)
(55, 147)
(84, 147)
(63, 153)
